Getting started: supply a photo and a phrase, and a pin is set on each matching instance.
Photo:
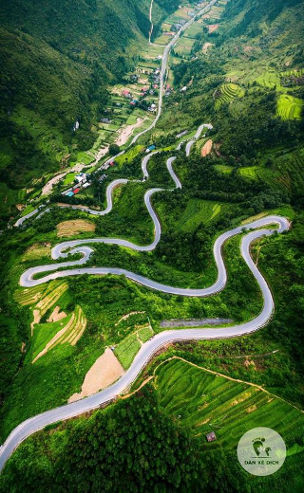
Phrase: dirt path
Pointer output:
(105, 371)
(37, 317)
(125, 133)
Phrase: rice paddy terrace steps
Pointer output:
(203, 400)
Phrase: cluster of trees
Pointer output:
(129, 447)
(191, 250)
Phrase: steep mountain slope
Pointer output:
(57, 58)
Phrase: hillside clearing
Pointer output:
(74, 227)
(207, 148)
(289, 108)
(105, 371)
(70, 333)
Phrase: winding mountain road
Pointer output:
(72, 268)
(30, 426)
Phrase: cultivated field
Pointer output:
(74, 227)
(204, 401)
(289, 108)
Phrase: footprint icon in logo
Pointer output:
(259, 447)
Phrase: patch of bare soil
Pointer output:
(217, 149)
(207, 148)
(71, 228)
(56, 315)
(205, 47)
(126, 132)
(47, 189)
(213, 27)
(248, 49)
(105, 371)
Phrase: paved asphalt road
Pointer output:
(30, 426)
(148, 349)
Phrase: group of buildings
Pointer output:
(82, 181)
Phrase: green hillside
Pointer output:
(241, 69)
(57, 59)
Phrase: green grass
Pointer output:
(145, 334)
(269, 79)
(249, 172)
(130, 155)
(223, 168)
(200, 212)
(203, 401)
(69, 179)
(127, 350)
(29, 296)
(289, 108)
(43, 333)
(84, 157)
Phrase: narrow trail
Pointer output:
(151, 21)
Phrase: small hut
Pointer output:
(211, 437)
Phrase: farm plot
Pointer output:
(204, 401)
(127, 350)
(74, 227)
(37, 251)
(289, 108)
(72, 330)
(184, 46)
(130, 345)
(199, 212)
(229, 92)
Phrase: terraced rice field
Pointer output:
(296, 73)
(204, 401)
(51, 295)
(223, 168)
(249, 172)
(29, 296)
(72, 330)
(228, 93)
(129, 347)
(289, 108)
(145, 333)
(269, 79)
(43, 297)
